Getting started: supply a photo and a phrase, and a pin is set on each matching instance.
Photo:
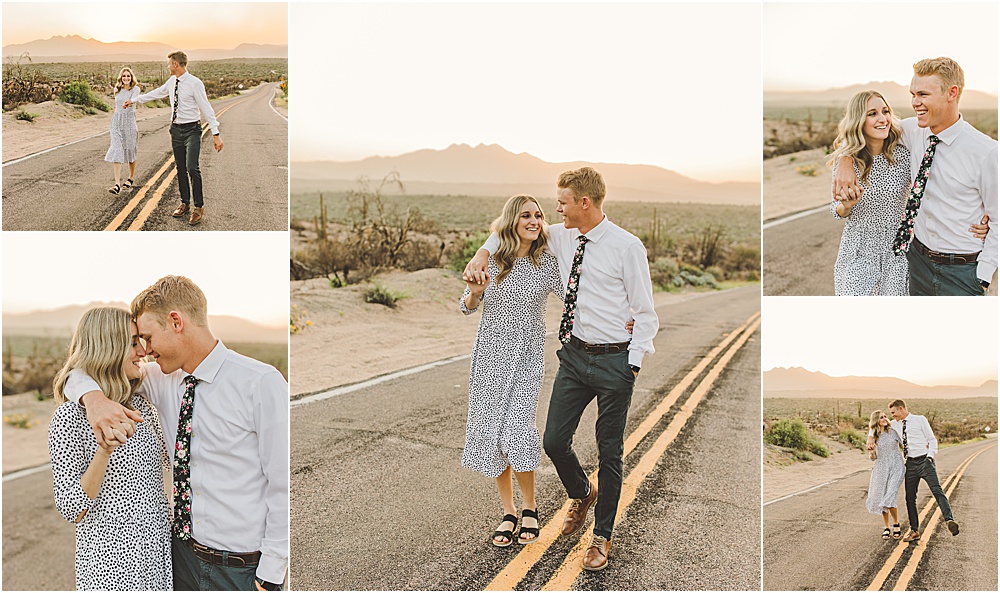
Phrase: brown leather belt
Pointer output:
(945, 258)
(213, 556)
(598, 348)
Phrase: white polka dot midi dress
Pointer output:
(865, 263)
(887, 474)
(124, 129)
(123, 541)
(508, 361)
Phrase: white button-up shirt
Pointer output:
(614, 285)
(239, 451)
(961, 187)
(192, 101)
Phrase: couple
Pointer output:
(607, 285)
(188, 102)
(920, 226)
(885, 438)
(217, 418)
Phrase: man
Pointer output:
(188, 102)
(961, 187)
(919, 449)
(606, 274)
(225, 419)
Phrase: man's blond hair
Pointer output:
(585, 181)
(946, 69)
(172, 293)
(179, 57)
(897, 403)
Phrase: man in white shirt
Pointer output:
(225, 420)
(944, 258)
(919, 448)
(188, 102)
(607, 287)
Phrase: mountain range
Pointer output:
(491, 170)
(897, 95)
(63, 321)
(73, 48)
(798, 382)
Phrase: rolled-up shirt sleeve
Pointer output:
(988, 182)
(271, 420)
(639, 289)
(69, 462)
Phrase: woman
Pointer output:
(869, 135)
(124, 130)
(115, 492)
(887, 474)
(508, 361)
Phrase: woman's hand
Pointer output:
(982, 229)
(475, 287)
(109, 446)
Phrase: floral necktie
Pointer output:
(906, 449)
(569, 307)
(182, 463)
(173, 118)
(905, 233)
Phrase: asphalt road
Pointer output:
(245, 185)
(799, 256)
(826, 540)
(380, 501)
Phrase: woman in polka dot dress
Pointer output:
(114, 493)
(508, 362)
(869, 135)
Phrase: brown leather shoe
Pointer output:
(181, 210)
(577, 514)
(597, 554)
(196, 214)
(912, 536)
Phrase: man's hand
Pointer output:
(109, 420)
(475, 271)
(217, 143)
(127, 104)
(845, 182)
(982, 229)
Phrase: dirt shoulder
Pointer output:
(783, 475)
(787, 190)
(26, 447)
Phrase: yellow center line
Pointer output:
(519, 566)
(120, 218)
(879, 581)
(566, 574)
(911, 565)
(140, 219)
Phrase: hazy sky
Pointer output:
(244, 274)
(673, 85)
(928, 341)
(180, 24)
(821, 45)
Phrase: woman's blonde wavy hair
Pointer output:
(850, 140)
(101, 346)
(873, 424)
(506, 228)
(119, 85)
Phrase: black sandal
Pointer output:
(885, 534)
(897, 533)
(509, 533)
(127, 184)
(529, 530)
(116, 189)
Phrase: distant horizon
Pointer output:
(69, 35)
(950, 383)
(22, 313)
(843, 86)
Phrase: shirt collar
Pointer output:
(209, 367)
(598, 231)
(952, 132)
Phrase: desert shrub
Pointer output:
(793, 434)
(421, 254)
(807, 170)
(468, 250)
(23, 115)
(79, 92)
(18, 420)
(819, 449)
(297, 321)
(380, 295)
(853, 438)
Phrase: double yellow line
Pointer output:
(153, 202)
(567, 572)
(910, 568)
